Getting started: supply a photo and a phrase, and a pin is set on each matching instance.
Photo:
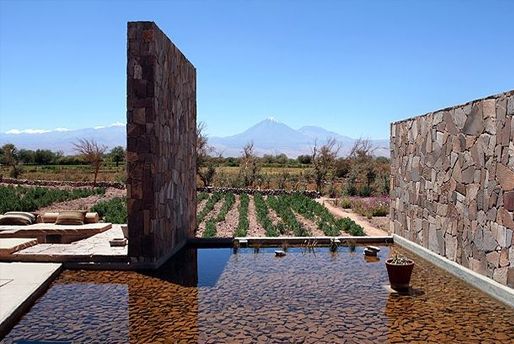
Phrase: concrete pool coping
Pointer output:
(277, 241)
(485, 284)
(22, 284)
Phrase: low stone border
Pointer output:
(100, 184)
(37, 289)
(238, 191)
(485, 284)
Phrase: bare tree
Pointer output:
(92, 152)
(361, 148)
(249, 166)
(324, 162)
(205, 168)
(361, 161)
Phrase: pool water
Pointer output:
(218, 296)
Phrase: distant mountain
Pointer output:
(268, 136)
(273, 137)
(62, 139)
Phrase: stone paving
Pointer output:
(97, 245)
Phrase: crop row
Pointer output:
(21, 198)
(209, 205)
(243, 224)
(285, 206)
(280, 205)
(210, 225)
(262, 213)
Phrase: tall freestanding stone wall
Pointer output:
(452, 184)
(161, 141)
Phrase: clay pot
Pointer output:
(399, 275)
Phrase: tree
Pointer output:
(10, 158)
(249, 166)
(304, 159)
(45, 157)
(26, 156)
(205, 165)
(117, 155)
(362, 164)
(323, 162)
(92, 152)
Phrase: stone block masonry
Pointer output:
(161, 141)
(452, 184)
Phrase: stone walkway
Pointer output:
(368, 228)
(96, 246)
(20, 284)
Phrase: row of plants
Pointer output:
(281, 206)
(262, 212)
(202, 196)
(210, 225)
(19, 198)
(243, 224)
(316, 212)
(209, 205)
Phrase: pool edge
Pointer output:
(23, 307)
(489, 286)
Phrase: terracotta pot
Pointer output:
(399, 275)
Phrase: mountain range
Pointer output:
(273, 137)
(268, 136)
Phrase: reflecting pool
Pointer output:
(217, 296)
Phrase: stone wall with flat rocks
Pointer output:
(161, 139)
(452, 184)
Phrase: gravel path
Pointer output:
(227, 228)
(83, 203)
(255, 229)
(369, 229)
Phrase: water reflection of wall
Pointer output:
(164, 303)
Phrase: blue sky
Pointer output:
(349, 66)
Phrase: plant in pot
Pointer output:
(399, 269)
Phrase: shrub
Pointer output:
(346, 203)
(348, 225)
(113, 210)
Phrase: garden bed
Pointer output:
(225, 215)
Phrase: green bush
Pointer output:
(113, 210)
(346, 203)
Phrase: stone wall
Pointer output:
(452, 184)
(161, 140)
